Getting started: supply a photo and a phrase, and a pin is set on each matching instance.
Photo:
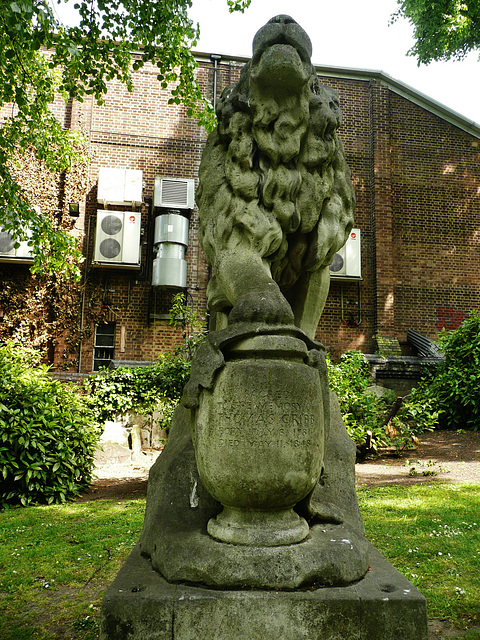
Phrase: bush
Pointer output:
(366, 415)
(47, 435)
(416, 415)
(141, 389)
(453, 389)
(363, 412)
(159, 386)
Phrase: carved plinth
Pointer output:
(279, 467)
(141, 605)
(259, 440)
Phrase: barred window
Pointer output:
(104, 349)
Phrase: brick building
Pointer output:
(416, 172)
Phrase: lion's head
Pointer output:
(273, 175)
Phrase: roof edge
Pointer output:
(366, 75)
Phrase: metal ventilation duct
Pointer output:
(170, 243)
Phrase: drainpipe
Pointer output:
(216, 58)
(82, 312)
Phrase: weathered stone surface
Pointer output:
(275, 199)
(179, 507)
(258, 437)
(241, 509)
(141, 605)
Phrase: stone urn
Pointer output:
(258, 435)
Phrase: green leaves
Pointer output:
(238, 5)
(41, 59)
(159, 386)
(456, 384)
(449, 396)
(362, 411)
(142, 389)
(442, 30)
(47, 434)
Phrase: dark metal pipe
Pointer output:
(216, 58)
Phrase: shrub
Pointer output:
(363, 412)
(159, 386)
(416, 415)
(114, 392)
(452, 391)
(47, 434)
(181, 316)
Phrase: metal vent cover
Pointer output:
(174, 192)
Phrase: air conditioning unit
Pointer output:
(117, 239)
(174, 193)
(8, 252)
(119, 186)
(346, 264)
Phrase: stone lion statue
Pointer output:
(275, 197)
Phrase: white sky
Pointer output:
(346, 33)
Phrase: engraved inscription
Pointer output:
(264, 424)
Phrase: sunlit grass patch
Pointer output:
(432, 535)
(55, 563)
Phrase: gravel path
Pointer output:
(445, 456)
(441, 456)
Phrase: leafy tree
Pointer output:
(443, 29)
(41, 58)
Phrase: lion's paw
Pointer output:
(266, 306)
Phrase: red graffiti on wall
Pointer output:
(450, 317)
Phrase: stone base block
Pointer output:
(141, 605)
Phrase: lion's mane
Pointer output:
(273, 175)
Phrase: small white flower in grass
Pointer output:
(460, 591)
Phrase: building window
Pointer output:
(104, 345)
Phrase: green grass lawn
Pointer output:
(431, 534)
(57, 561)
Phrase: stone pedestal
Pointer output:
(141, 605)
(330, 585)
(253, 499)
(271, 453)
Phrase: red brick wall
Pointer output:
(353, 329)
(436, 199)
(417, 183)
